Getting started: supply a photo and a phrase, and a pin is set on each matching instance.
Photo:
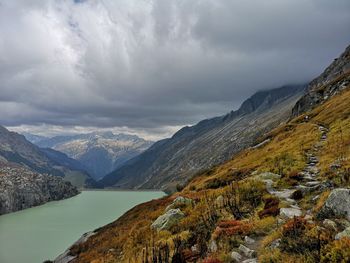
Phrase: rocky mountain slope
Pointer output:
(14, 148)
(208, 143)
(99, 152)
(284, 200)
(335, 78)
(22, 188)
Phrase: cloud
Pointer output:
(154, 65)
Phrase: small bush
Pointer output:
(216, 183)
(232, 227)
(337, 251)
(270, 208)
(301, 238)
(212, 260)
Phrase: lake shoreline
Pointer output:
(31, 230)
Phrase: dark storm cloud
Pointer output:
(155, 65)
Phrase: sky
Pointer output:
(149, 67)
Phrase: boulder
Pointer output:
(268, 176)
(345, 233)
(236, 257)
(290, 212)
(248, 240)
(284, 194)
(337, 204)
(167, 220)
(180, 200)
(247, 251)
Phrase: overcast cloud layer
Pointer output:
(151, 66)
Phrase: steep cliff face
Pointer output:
(334, 79)
(210, 142)
(22, 188)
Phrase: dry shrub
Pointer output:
(211, 260)
(337, 251)
(270, 207)
(232, 227)
(301, 238)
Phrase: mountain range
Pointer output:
(283, 198)
(14, 148)
(98, 153)
(175, 160)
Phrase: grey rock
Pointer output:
(345, 233)
(268, 176)
(180, 200)
(167, 220)
(236, 257)
(249, 240)
(313, 183)
(284, 194)
(290, 212)
(332, 81)
(247, 251)
(337, 204)
(21, 188)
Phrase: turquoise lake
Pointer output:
(43, 232)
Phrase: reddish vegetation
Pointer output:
(270, 208)
(233, 227)
(294, 227)
(212, 260)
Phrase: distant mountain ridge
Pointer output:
(208, 143)
(14, 148)
(98, 152)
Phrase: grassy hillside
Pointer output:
(233, 200)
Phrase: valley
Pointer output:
(286, 198)
(174, 131)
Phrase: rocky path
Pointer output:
(309, 183)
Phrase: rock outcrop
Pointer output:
(345, 233)
(179, 201)
(167, 220)
(22, 188)
(337, 204)
(335, 78)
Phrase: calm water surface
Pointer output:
(36, 234)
